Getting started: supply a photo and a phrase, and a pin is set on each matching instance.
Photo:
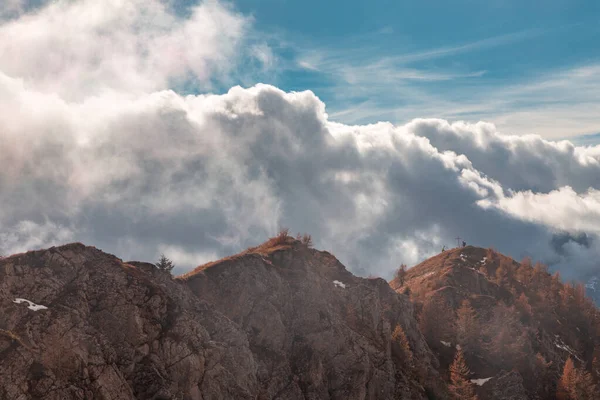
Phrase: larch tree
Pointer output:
(524, 273)
(401, 347)
(566, 384)
(507, 337)
(524, 308)
(467, 328)
(502, 274)
(436, 321)
(542, 376)
(460, 387)
(401, 274)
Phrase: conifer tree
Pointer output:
(436, 321)
(522, 305)
(467, 327)
(526, 262)
(401, 274)
(502, 274)
(542, 376)
(566, 384)
(507, 337)
(524, 273)
(164, 264)
(539, 277)
(307, 240)
(460, 386)
(401, 346)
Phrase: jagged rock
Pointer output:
(279, 321)
(264, 325)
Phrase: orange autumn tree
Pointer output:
(401, 346)
(575, 384)
(460, 386)
(467, 328)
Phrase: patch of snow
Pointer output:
(479, 272)
(32, 306)
(458, 347)
(447, 344)
(481, 382)
(339, 284)
(483, 260)
(427, 274)
(566, 348)
(563, 347)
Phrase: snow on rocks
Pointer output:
(458, 347)
(566, 348)
(481, 382)
(339, 284)
(484, 260)
(32, 306)
(479, 272)
(447, 344)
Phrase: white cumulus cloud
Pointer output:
(78, 49)
(99, 146)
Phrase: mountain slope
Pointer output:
(281, 321)
(284, 321)
(505, 316)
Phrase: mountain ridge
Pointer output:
(518, 315)
(285, 321)
(256, 327)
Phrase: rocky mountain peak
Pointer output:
(285, 321)
(279, 321)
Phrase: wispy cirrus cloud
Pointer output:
(557, 105)
(327, 59)
(366, 84)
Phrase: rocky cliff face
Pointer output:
(279, 322)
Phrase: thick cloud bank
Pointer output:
(94, 154)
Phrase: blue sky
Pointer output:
(527, 66)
